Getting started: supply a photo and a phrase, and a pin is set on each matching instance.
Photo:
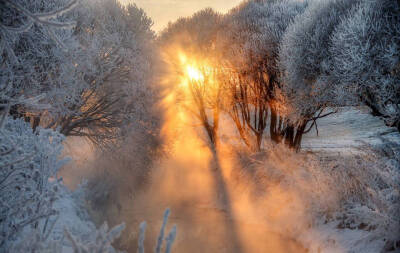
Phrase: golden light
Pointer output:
(194, 74)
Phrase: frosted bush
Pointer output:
(99, 242)
(370, 192)
(28, 182)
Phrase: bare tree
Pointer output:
(250, 48)
(207, 98)
(195, 36)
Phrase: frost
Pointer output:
(28, 178)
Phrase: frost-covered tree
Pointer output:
(43, 76)
(304, 61)
(93, 77)
(366, 62)
(33, 55)
(28, 160)
(249, 46)
(114, 64)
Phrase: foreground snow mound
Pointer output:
(327, 238)
(72, 217)
(71, 230)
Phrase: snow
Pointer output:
(73, 217)
(327, 238)
(348, 130)
(344, 134)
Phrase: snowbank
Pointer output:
(348, 130)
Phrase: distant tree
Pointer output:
(304, 62)
(194, 38)
(207, 98)
(366, 61)
(197, 33)
(249, 45)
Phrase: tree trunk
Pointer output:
(289, 134)
(216, 112)
(274, 126)
(35, 122)
(14, 112)
(299, 136)
(258, 142)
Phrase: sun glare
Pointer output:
(194, 74)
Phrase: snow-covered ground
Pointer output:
(347, 130)
(343, 134)
(327, 238)
(72, 217)
(339, 134)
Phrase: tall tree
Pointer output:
(304, 63)
(366, 59)
(250, 46)
(98, 83)
(189, 45)
(114, 65)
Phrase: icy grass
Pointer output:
(356, 194)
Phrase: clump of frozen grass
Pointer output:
(161, 235)
(101, 243)
(142, 232)
(169, 239)
(369, 186)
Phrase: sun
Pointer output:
(194, 74)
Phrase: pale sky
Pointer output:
(163, 11)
